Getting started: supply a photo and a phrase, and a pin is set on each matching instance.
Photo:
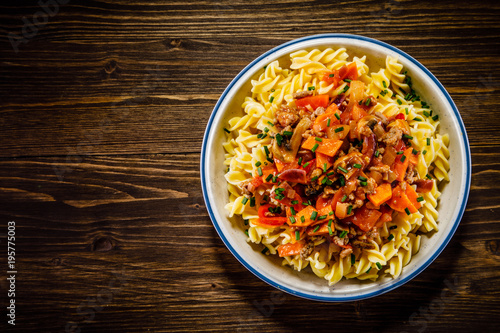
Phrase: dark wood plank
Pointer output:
(102, 113)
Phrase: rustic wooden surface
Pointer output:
(102, 115)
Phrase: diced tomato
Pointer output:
(412, 196)
(399, 201)
(331, 77)
(336, 198)
(321, 122)
(256, 181)
(399, 167)
(365, 218)
(313, 101)
(269, 220)
(349, 72)
(266, 171)
(322, 202)
(358, 113)
(400, 116)
(290, 249)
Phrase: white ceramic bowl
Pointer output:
(306, 284)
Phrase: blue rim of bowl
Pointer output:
(394, 285)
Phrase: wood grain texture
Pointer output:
(103, 112)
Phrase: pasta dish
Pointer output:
(335, 167)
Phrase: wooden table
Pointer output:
(103, 109)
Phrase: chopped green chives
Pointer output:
(324, 180)
(368, 101)
(264, 250)
(252, 202)
(343, 170)
(340, 129)
(384, 84)
(363, 183)
(270, 123)
(417, 119)
(295, 202)
(258, 164)
(345, 89)
(318, 139)
(414, 152)
(279, 139)
(261, 136)
(342, 180)
(270, 160)
(322, 217)
(324, 168)
(331, 212)
(349, 209)
(331, 173)
(292, 210)
(259, 171)
(246, 232)
(428, 141)
(330, 231)
(302, 219)
(328, 122)
(391, 237)
(331, 75)
(226, 130)
(292, 219)
(315, 178)
(420, 199)
(347, 80)
(379, 266)
(297, 235)
(436, 117)
(406, 136)
(427, 114)
(407, 211)
(428, 177)
(311, 88)
(369, 269)
(337, 116)
(399, 102)
(305, 165)
(342, 235)
(363, 179)
(244, 201)
(403, 158)
(314, 215)
(315, 147)
(424, 152)
(266, 129)
(271, 99)
(316, 229)
(377, 153)
(266, 150)
(300, 160)
(344, 198)
(406, 110)
(399, 152)
(357, 166)
(353, 258)
(288, 133)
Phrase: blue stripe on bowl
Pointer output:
(397, 283)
